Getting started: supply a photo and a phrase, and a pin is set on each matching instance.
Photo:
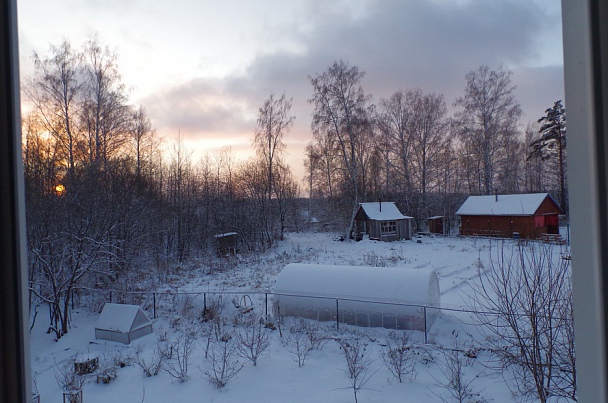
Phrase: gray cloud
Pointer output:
(429, 45)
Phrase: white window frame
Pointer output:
(585, 33)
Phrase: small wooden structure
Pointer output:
(72, 396)
(381, 221)
(526, 216)
(435, 224)
(122, 323)
(226, 244)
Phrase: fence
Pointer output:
(434, 325)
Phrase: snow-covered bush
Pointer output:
(524, 300)
(222, 363)
(400, 355)
(458, 386)
(358, 362)
(153, 365)
(67, 377)
(176, 364)
(301, 339)
(253, 337)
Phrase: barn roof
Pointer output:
(121, 317)
(382, 211)
(514, 204)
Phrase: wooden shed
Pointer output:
(435, 224)
(122, 323)
(381, 221)
(226, 244)
(517, 215)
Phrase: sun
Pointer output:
(59, 189)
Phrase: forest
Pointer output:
(106, 205)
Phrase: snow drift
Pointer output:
(390, 297)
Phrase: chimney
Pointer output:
(495, 194)
(380, 204)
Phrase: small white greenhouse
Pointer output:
(122, 323)
(390, 297)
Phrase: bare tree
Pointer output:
(221, 364)
(104, 114)
(55, 91)
(69, 242)
(524, 299)
(428, 125)
(176, 363)
(358, 361)
(142, 141)
(456, 382)
(273, 123)
(254, 338)
(299, 342)
(399, 355)
(393, 119)
(342, 117)
(487, 120)
(68, 379)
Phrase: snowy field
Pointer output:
(277, 376)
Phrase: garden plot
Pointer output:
(304, 360)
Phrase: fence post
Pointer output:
(337, 315)
(266, 299)
(204, 304)
(154, 305)
(425, 332)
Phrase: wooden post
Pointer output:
(337, 315)
(426, 341)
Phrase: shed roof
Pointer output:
(382, 211)
(121, 317)
(514, 204)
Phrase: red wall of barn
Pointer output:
(502, 226)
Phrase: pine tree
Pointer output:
(551, 145)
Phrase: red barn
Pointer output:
(524, 215)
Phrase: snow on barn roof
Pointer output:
(118, 317)
(516, 204)
(382, 211)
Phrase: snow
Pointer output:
(277, 378)
(118, 317)
(513, 204)
(225, 234)
(383, 211)
(381, 284)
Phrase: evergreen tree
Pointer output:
(551, 146)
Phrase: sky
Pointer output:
(202, 69)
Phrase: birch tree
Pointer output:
(342, 116)
(487, 120)
(273, 123)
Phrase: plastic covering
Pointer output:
(391, 297)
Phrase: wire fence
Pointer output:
(427, 324)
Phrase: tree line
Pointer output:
(408, 149)
(107, 208)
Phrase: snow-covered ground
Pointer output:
(277, 377)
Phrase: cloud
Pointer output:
(429, 45)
